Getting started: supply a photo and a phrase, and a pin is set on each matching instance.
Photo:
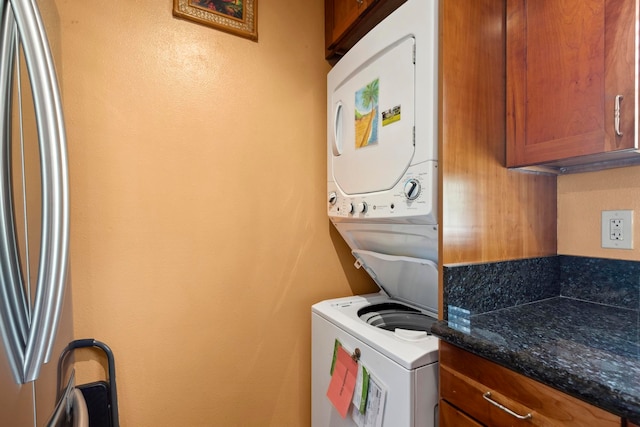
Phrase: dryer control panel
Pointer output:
(412, 200)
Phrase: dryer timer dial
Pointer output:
(412, 189)
(333, 198)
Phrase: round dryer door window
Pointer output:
(373, 121)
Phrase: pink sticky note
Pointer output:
(343, 382)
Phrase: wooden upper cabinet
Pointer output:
(568, 63)
(345, 14)
(347, 21)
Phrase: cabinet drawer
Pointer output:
(465, 380)
(450, 416)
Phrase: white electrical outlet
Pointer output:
(617, 229)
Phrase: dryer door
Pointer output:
(372, 143)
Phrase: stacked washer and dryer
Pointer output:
(382, 118)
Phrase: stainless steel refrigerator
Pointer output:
(35, 309)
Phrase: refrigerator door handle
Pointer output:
(54, 248)
(14, 308)
(30, 346)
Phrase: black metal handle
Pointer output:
(90, 342)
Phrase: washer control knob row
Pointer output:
(361, 207)
(412, 189)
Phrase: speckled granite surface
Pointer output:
(571, 341)
(479, 288)
(605, 281)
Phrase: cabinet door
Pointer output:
(345, 13)
(567, 62)
(347, 21)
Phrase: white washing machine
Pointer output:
(389, 333)
(402, 360)
(382, 186)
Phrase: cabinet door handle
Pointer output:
(359, 2)
(616, 114)
(487, 397)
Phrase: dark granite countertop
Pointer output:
(588, 350)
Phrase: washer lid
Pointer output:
(414, 280)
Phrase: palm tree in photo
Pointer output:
(369, 100)
(370, 94)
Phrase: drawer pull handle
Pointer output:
(487, 397)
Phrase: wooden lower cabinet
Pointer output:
(476, 392)
(450, 416)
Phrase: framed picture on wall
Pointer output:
(239, 17)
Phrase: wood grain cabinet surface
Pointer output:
(569, 63)
(450, 416)
(347, 21)
(495, 396)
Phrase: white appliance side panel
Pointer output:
(373, 119)
(426, 395)
(398, 382)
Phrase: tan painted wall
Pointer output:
(199, 235)
(582, 198)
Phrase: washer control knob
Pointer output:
(333, 198)
(362, 207)
(412, 189)
(351, 209)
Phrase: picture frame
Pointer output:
(239, 17)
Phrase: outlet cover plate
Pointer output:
(615, 238)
